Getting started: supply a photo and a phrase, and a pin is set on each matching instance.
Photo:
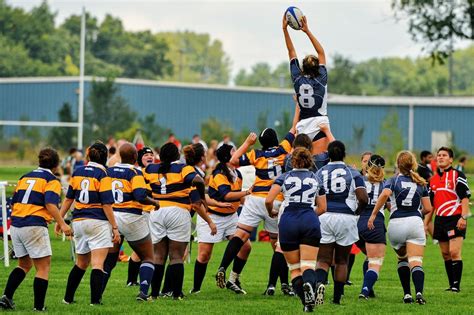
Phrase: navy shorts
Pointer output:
(298, 227)
(375, 236)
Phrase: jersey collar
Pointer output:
(46, 170)
(300, 169)
(337, 162)
(126, 165)
(94, 164)
(440, 172)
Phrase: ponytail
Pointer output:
(407, 165)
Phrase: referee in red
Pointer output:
(450, 197)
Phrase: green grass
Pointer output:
(212, 300)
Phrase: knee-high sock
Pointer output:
(146, 275)
(199, 274)
(349, 265)
(448, 266)
(133, 270)
(370, 278)
(274, 269)
(309, 275)
(156, 280)
(96, 285)
(231, 251)
(297, 284)
(418, 276)
(404, 275)
(321, 275)
(177, 272)
(457, 273)
(167, 287)
(73, 281)
(40, 286)
(14, 280)
(109, 264)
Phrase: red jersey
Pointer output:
(448, 188)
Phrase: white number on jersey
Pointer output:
(273, 170)
(117, 191)
(408, 201)
(375, 196)
(306, 98)
(308, 195)
(84, 194)
(31, 183)
(163, 185)
(337, 180)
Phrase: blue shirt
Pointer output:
(340, 182)
(373, 192)
(300, 188)
(311, 92)
(406, 196)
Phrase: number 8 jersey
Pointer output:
(406, 196)
(90, 187)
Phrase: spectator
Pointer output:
(172, 139)
(211, 159)
(462, 163)
(364, 159)
(424, 168)
(79, 160)
(114, 159)
(197, 139)
(226, 140)
(112, 151)
(157, 155)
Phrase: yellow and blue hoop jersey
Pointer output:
(268, 165)
(194, 194)
(172, 188)
(219, 187)
(33, 191)
(90, 187)
(128, 188)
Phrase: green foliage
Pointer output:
(214, 129)
(283, 124)
(63, 137)
(437, 22)
(391, 138)
(344, 77)
(153, 134)
(262, 75)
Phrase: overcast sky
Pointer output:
(251, 30)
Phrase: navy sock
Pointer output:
(297, 284)
(231, 251)
(109, 264)
(40, 286)
(156, 280)
(321, 276)
(14, 280)
(309, 276)
(370, 278)
(133, 270)
(96, 285)
(73, 281)
(404, 275)
(418, 276)
(199, 274)
(177, 272)
(146, 275)
(338, 291)
(365, 267)
(239, 265)
(457, 273)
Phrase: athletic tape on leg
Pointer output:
(294, 266)
(415, 259)
(308, 263)
(376, 261)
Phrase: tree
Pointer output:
(152, 132)
(107, 112)
(436, 23)
(63, 137)
(344, 77)
(391, 138)
(213, 129)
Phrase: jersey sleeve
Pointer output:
(139, 187)
(321, 190)
(424, 191)
(287, 142)
(222, 185)
(70, 190)
(188, 173)
(323, 75)
(295, 69)
(247, 159)
(389, 184)
(280, 180)
(462, 187)
(358, 180)
(105, 190)
(52, 192)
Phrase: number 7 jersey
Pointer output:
(406, 196)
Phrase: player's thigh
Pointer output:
(143, 248)
(455, 247)
(176, 251)
(98, 257)
(341, 254)
(375, 250)
(308, 253)
(42, 266)
(205, 252)
(160, 251)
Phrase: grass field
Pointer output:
(212, 300)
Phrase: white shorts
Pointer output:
(172, 222)
(311, 126)
(406, 230)
(339, 228)
(226, 226)
(91, 234)
(146, 215)
(31, 240)
(254, 212)
(133, 227)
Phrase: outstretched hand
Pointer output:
(304, 24)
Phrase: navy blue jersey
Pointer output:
(300, 188)
(311, 92)
(319, 161)
(373, 191)
(406, 196)
(340, 182)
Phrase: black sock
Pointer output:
(297, 284)
(167, 287)
(133, 270)
(199, 274)
(448, 266)
(457, 273)
(418, 276)
(73, 281)
(333, 270)
(156, 280)
(14, 280)
(231, 251)
(283, 268)
(40, 286)
(309, 275)
(238, 265)
(177, 274)
(274, 269)
(365, 267)
(349, 265)
(338, 291)
(321, 276)
(404, 275)
(109, 264)
(97, 282)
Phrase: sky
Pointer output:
(251, 30)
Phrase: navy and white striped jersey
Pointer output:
(300, 188)
(373, 192)
(406, 196)
(340, 182)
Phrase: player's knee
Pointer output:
(204, 256)
(454, 254)
(82, 264)
(415, 260)
(446, 255)
(246, 248)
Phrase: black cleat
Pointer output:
(141, 297)
(408, 299)
(7, 303)
(455, 290)
(309, 297)
(269, 291)
(349, 282)
(220, 278)
(287, 290)
(320, 290)
(308, 309)
(132, 284)
(420, 299)
(166, 294)
(362, 296)
(234, 287)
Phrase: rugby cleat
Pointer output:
(234, 287)
(166, 294)
(39, 310)
(270, 291)
(287, 290)
(362, 296)
(220, 278)
(408, 299)
(420, 299)
(67, 302)
(142, 297)
(132, 284)
(320, 290)
(309, 297)
(308, 309)
(7, 303)
(192, 291)
(455, 290)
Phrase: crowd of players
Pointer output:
(314, 206)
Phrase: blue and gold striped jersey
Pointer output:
(90, 187)
(268, 165)
(220, 186)
(172, 188)
(128, 188)
(33, 191)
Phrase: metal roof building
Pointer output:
(182, 107)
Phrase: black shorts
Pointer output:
(445, 228)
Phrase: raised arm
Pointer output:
(251, 139)
(296, 117)
(314, 41)
(288, 42)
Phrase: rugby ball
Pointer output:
(294, 17)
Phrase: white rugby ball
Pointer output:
(294, 17)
